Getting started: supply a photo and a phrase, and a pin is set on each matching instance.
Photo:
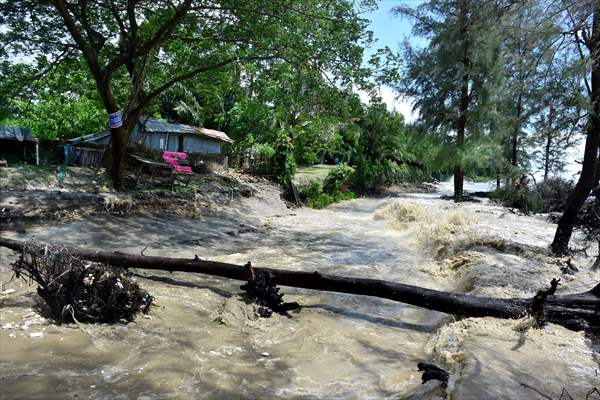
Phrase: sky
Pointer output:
(391, 31)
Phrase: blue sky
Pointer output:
(391, 31)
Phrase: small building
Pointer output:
(152, 134)
(18, 144)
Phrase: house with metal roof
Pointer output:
(18, 144)
(153, 134)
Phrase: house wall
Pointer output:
(83, 156)
(153, 140)
(173, 142)
(158, 141)
(201, 145)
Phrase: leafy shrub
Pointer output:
(337, 177)
(523, 199)
(553, 194)
(370, 176)
(548, 196)
(316, 198)
(324, 199)
(312, 190)
(264, 150)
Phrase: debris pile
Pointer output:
(262, 289)
(78, 291)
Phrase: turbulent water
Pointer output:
(203, 341)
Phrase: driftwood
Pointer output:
(577, 311)
(537, 305)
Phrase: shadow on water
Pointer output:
(175, 282)
(374, 319)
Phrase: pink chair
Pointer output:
(173, 158)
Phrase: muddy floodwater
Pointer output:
(202, 341)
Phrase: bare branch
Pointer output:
(161, 34)
(88, 51)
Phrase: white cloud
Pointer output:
(393, 103)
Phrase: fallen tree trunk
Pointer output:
(578, 311)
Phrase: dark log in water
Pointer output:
(577, 312)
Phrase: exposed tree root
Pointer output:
(262, 289)
(433, 372)
(77, 291)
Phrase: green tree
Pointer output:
(582, 22)
(526, 47)
(561, 118)
(136, 50)
(262, 100)
(453, 79)
(61, 104)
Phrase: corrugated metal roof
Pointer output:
(157, 125)
(215, 134)
(16, 133)
(90, 138)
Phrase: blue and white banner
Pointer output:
(115, 120)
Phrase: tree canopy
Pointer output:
(136, 50)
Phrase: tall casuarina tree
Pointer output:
(584, 25)
(452, 79)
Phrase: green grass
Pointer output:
(324, 199)
(305, 175)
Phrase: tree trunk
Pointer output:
(547, 156)
(597, 180)
(119, 141)
(514, 153)
(459, 179)
(579, 311)
(459, 176)
(463, 108)
(585, 184)
(119, 136)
